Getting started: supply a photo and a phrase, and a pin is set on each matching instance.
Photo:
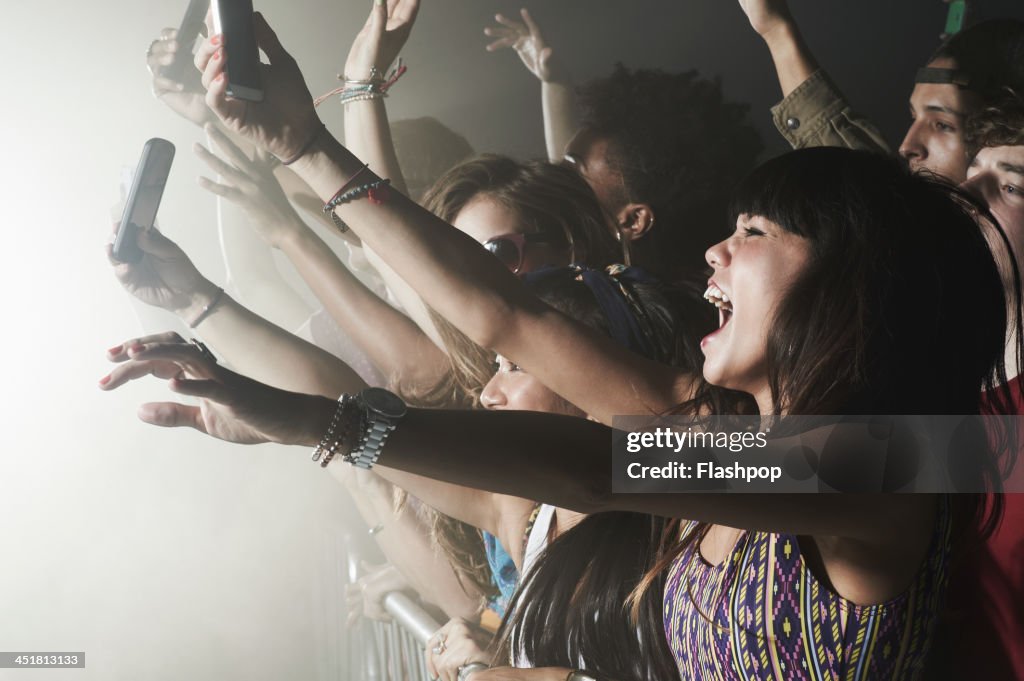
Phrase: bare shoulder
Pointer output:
(878, 565)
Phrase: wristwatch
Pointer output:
(382, 410)
(580, 675)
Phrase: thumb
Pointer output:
(154, 243)
(172, 415)
(378, 19)
(267, 40)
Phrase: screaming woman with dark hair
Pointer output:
(845, 288)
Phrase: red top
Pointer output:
(991, 590)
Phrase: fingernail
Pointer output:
(105, 380)
(215, 40)
(136, 349)
(216, 55)
(115, 350)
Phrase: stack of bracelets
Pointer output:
(344, 433)
(374, 87)
(375, 190)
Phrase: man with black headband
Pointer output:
(969, 71)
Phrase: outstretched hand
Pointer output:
(251, 184)
(165, 277)
(526, 39)
(184, 97)
(381, 39)
(231, 406)
(766, 16)
(285, 121)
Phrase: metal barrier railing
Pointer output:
(389, 651)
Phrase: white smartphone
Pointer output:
(233, 19)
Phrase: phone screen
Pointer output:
(144, 198)
(191, 27)
(233, 18)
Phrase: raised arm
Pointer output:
(446, 267)
(374, 50)
(557, 99)
(562, 460)
(813, 111)
(390, 339)
(166, 278)
(772, 20)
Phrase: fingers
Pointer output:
(531, 25)
(268, 41)
(163, 86)
(230, 150)
(152, 242)
(217, 99)
(228, 192)
(119, 353)
(187, 355)
(206, 389)
(217, 164)
(514, 25)
(131, 371)
(172, 415)
(206, 51)
(405, 11)
(501, 44)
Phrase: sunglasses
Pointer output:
(510, 249)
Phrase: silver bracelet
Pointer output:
(471, 668)
(208, 308)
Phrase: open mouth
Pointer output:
(719, 299)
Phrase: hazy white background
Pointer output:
(163, 554)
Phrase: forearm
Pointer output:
(392, 341)
(404, 537)
(794, 62)
(368, 136)
(268, 353)
(251, 269)
(558, 103)
(470, 288)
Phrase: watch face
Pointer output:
(383, 402)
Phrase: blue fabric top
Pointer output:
(503, 572)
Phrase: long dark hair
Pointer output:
(571, 604)
(901, 309)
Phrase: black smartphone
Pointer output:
(191, 27)
(233, 19)
(144, 198)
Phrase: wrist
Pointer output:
(781, 35)
(204, 295)
(317, 413)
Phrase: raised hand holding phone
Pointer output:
(144, 198)
(233, 19)
(285, 121)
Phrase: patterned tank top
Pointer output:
(761, 614)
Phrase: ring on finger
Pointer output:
(203, 350)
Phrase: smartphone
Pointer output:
(143, 198)
(233, 18)
(191, 27)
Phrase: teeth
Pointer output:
(718, 298)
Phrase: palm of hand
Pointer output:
(165, 283)
(376, 49)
